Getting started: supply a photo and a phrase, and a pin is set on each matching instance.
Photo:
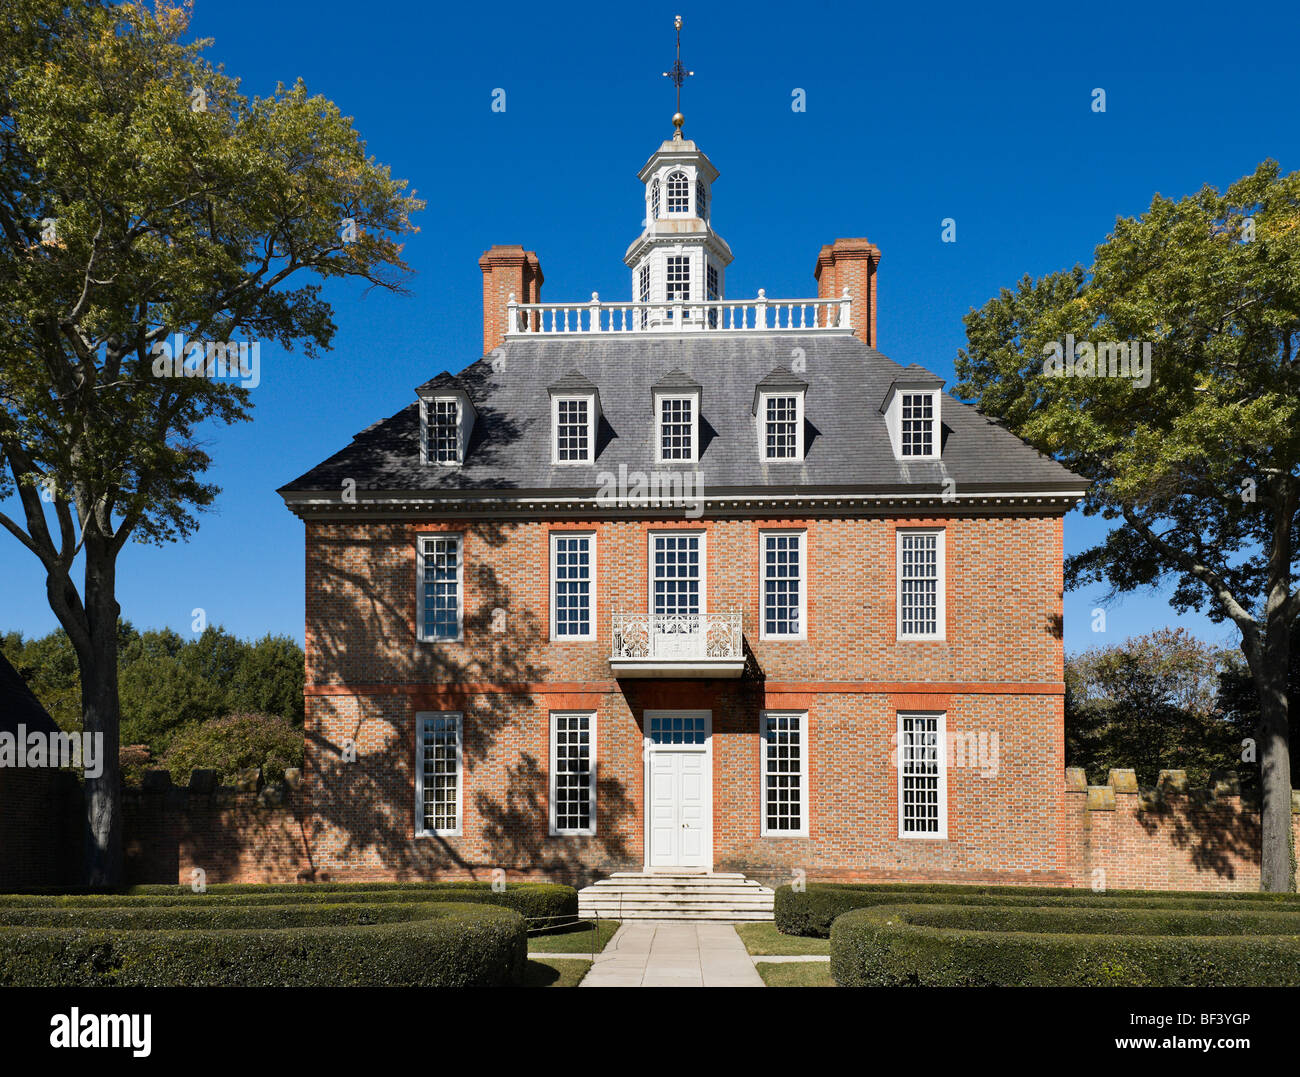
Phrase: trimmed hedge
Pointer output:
(1060, 946)
(547, 902)
(812, 911)
(432, 944)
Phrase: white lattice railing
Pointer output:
(679, 315)
(677, 636)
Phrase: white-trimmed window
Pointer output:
(677, 572)
(783, 575)
(922, 777)
(654, 199)
(678, 277)
(679, 193)
(439, 768)
(677, 436)
(573, 585)
(785, 773)
(442, 430)
(712, 292)
(440, 590)
(916, 430)
(921, 611)
(573, 418)
(643, 289)
(701, 200)
(573, 773)
(782, 418)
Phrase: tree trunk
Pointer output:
(1270, 672)
(101, 715)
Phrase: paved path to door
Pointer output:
(659, 953)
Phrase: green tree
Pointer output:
(1150, 703)
(1198, 472)
(142, 196)
(233, 743)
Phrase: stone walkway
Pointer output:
(658, 953)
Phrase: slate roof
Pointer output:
(846, 442)
(19, 705)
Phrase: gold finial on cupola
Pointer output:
(678, 74)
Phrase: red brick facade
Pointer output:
(997, 674)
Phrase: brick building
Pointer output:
(685, 583)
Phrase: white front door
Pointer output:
(678, 790)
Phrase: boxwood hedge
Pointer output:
(426, 944)
(812, 911)
(1065, 946)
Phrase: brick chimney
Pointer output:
(851, 264)
(507, 269)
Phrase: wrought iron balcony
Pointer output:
(680, 315)
(677, 645)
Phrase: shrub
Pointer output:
(812, 911)
(234, 743)
(1062, 946)
(429, 944)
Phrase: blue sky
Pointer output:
(915, 113)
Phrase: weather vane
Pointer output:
(679, 75)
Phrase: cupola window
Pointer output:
(679, 193)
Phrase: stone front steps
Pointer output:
(637, 895)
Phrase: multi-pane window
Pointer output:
(679, 193)
(701, 200)
(713, 294)
(918, 424)
(783, 585)
(921, 809)
(438, 773)
(643, 291)
(572, 571)
(781, 428)
(442, 432)
(677, 428)
(920, 584)
(572, 429)
(676, 573)
(678, 729)
(440, 581)
(573, 774)
(679, 276)
(785, 774)
(654, 199)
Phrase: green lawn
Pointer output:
(763, 938)
(795, 973)
(574, 939)
(556, 972)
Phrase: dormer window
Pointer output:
(575, 411)
(679, 193)
(778, 410)
(446, 419)
(677, 419)
(917, 428)
(912, 414)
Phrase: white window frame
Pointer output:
(569, 398)
(419, 585)
(426, 456)
(703, 536)
(802, 536)
(590, 830)
(685, 210)
(803, 830)
(933, 454)
(763, 398)
(420, 831)
(940, 592)
(663, 396)
(554, 582)
(941, 728)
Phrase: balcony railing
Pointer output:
(680, 315)
(677, 644)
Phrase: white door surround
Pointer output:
(678, 750)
